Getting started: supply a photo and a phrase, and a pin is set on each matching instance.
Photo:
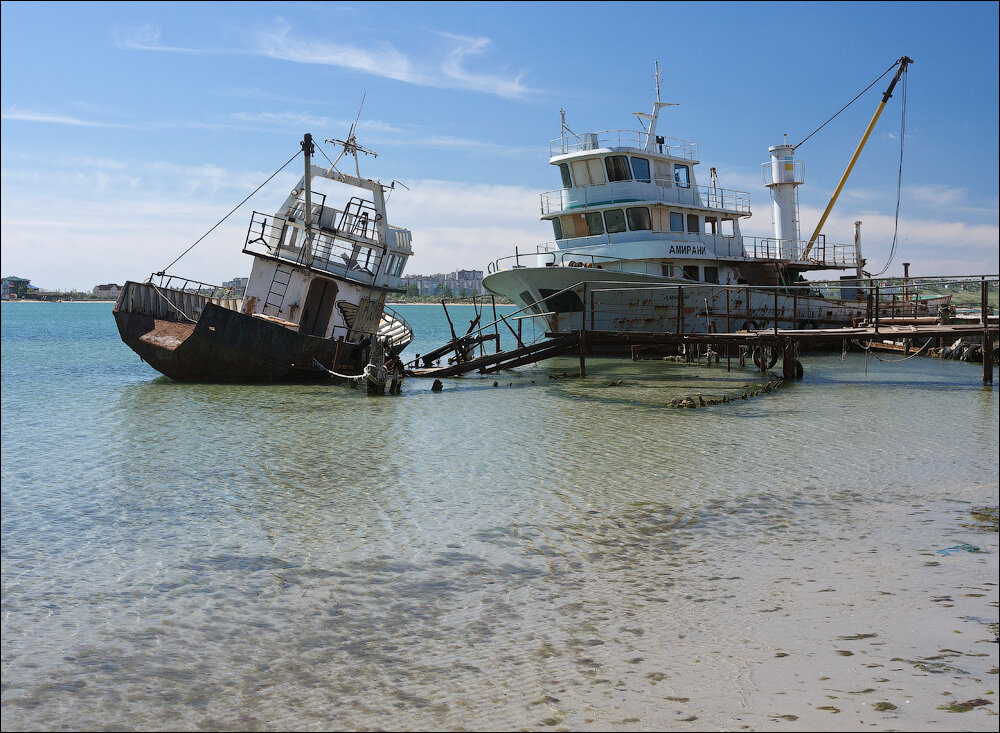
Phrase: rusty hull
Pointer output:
(228, 346)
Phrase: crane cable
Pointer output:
(899, 179)
(161, 272)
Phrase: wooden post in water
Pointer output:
(583, 334)
(987, 337)
(775, 311)
(788, 360)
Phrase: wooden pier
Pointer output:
(763, 344)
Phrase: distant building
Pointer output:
(460, 283)
(12, 288)
(238, 284)
(110, 291)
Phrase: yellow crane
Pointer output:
(903, 63)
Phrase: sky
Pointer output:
(130, 129)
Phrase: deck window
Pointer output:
(676, 221)
(557, 228)
(617, 166)
(594, 222)
(728, 229)
(691, 272)
(640, 169)
(588, 172)
(693, 225)
(682, 176)
(712, 275)
(564, 172)
(711, 225)
(614, 221)
(638, 218)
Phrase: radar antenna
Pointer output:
(350, 145)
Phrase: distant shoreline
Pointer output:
(32, 300)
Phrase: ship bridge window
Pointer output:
(691, 272)
(640, 169)
(586, 225)
(728, 229)
(711, 225)
(617, 166)
(682, 176)
(594, 222)
(676, 221)
(614, 221)
(588, 172)
(564, 172)
(693, 226)
(638, 218)
(712, 275)
(557, 228)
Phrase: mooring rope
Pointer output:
(867, 348)
(161, 272)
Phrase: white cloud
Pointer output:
(147, 38)
(381, 59)
(378, 59)
(50, 118)
(454, 68)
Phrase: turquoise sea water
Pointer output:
(306, 556)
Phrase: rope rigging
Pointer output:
(233, 211)
(848, 104)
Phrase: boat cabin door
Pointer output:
(318, 308)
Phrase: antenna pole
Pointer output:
(307, 151)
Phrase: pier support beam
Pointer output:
(987, 336)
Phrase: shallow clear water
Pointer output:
(307, 556)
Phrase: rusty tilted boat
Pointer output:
(314, 303)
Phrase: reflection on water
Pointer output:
(234, 556)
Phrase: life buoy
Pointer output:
(765, 355)
(749, 326)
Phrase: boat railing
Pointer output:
(174, 298)
(621, 192)
(337, 252)
(822, 254)
(572, 143)
(395, 329)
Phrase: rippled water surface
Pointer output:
(217, 556)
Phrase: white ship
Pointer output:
(631, 221)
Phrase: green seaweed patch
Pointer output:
(964, 707)
(985, 518)
(748, 391)
(678, 699)
(883, 706)
(845, 653)
(787, 717)
(857, 637)
(831, 708)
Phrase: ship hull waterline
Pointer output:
(227, 346)
(602, 300)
